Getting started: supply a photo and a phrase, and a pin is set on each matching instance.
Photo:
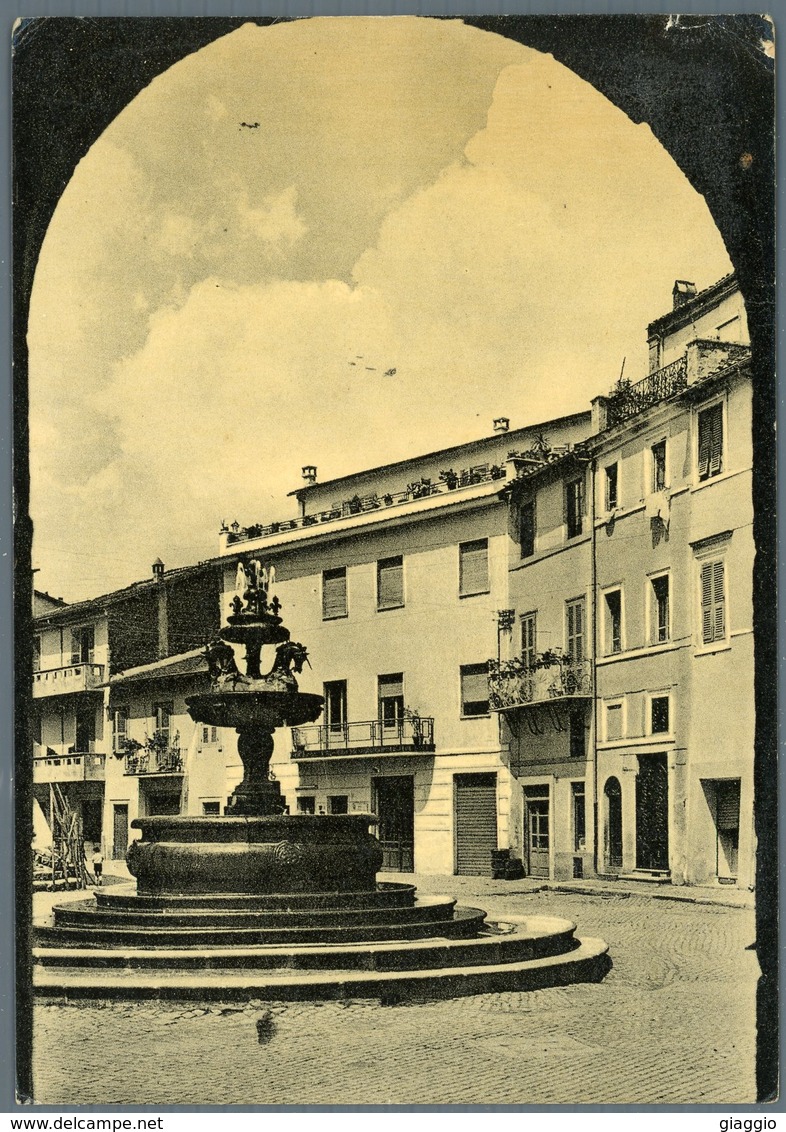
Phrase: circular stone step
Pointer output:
(388, 895)
(460, 922)
(531, 938)
(587, 962)
(85, 914)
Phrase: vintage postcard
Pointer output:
(396, 637)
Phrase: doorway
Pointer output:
(394, 805)
(652, 813)
(476, 823)
(613, 840)
(537, 809)
(727, 822)
(119, 831)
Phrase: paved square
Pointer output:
(672, 1023)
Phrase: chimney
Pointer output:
(683, 292)
(501, 424)
(309, 473)
(163, 612)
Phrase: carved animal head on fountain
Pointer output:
(290, 658)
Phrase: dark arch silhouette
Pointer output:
(706, 89)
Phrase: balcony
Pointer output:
(512, 684)
(628, 400)
(71, 766)
(82, 677)
(367, 737)
(145, 762)
(449, 481)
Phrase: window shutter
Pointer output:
(76, 650)
(719, 611)
(390, 583)
(716, 439)
(474, 689)
(474, 567)
(576, 630)
(528, 650)
(706, 602)
(334, 593)
(527, 528)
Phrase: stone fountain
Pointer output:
(256, 847)
(248, 904)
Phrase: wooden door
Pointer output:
(394, 804)
(538, 837)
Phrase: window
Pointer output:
(36, 654)
(713, 602)
(614, 721)
(659, 715)
(335, 692)
(209, 734)
(529, 639)
(390, 583)
(578, 749)
(307, 804)
(474, 567)
(579, 816)
(660, 629)
(119, 728)
(338, 804)
(527, 528)
(574, 507)
(390, 693)
(474, 689)
(162, 714)
(334, 593)
(612, 483)
(575, 620)
(711, 441)
(211, 809)
(83, 645)
(658, 479)
(612, 625)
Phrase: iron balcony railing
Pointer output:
(627, 400)
(358, 505)
(365, 736)
(515, 684)
(154, 762)
(80, 677)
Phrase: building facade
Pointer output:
(80, 651)
(394, 579)
(628, 702)
(537, 643)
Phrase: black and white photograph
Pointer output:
(395, 561)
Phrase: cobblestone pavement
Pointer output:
(672, 1023)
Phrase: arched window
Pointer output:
(613, 823)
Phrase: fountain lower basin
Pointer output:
(302, 853)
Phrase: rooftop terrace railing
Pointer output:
(448, 481)
(627, 400)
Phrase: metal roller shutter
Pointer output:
(476, 823)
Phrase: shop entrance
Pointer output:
(476, 823)
(394, 805)
(652, 813)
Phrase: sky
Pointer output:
(399, 193)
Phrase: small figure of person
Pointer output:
(98, 866)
